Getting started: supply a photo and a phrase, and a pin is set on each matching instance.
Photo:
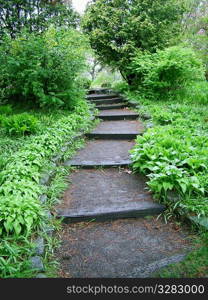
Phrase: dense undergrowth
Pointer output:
(24, 159)
(170, 86)
(172, 153)
(42, 111)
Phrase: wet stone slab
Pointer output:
(116, 129)
(106, 194)
(130, 248)
(116, 112)
(103, 153)
(111, 106)
(107, 101)
(101, 96)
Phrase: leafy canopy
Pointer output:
(36, 15)
(117, 28)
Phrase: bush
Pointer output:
(166, 72)
(5, 110)
(118, 28)
(41, 68)
(106, 85)
(21, 124)
(85, 83)
(198, 92)
(120, 86)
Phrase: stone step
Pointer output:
(106, 194)
(128, 248)
(118, 114)
(103, 153)
(101, 96)
(99, 91)
(107, 101)
(111, 106)
(117, 130)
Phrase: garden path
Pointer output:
(103, 189)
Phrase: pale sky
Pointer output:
(80, 5)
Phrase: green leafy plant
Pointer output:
(167, 72)
(6, 109)
(14, 257)
(21, 124)
(22, 215)
(41, 69)
(173, 154)
(117, 29)
(35, 15)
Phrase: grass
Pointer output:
(194, 266)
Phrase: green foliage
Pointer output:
(19, 251)
(106, 85)
(5, 110)
(21, 124)
(41, 68)
(173, 154)
(171, 162)
(85, 83)
(34, 15)
(19, 180)
(195, 28)
(166, 72)
(120, 86)
(117, 29)
(198, 92)
(195, 264)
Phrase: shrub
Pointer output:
(118, 28)
(167, 72)
(41, 68)
(106, 85)
(21, 124)
(198, 92)
(85, 83)
(120, 86)
(5, 110)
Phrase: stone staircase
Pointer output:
(129, 242)
(116, 193)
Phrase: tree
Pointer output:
(196, 28)
(118, 28)
(36, 15)
(94, 67)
